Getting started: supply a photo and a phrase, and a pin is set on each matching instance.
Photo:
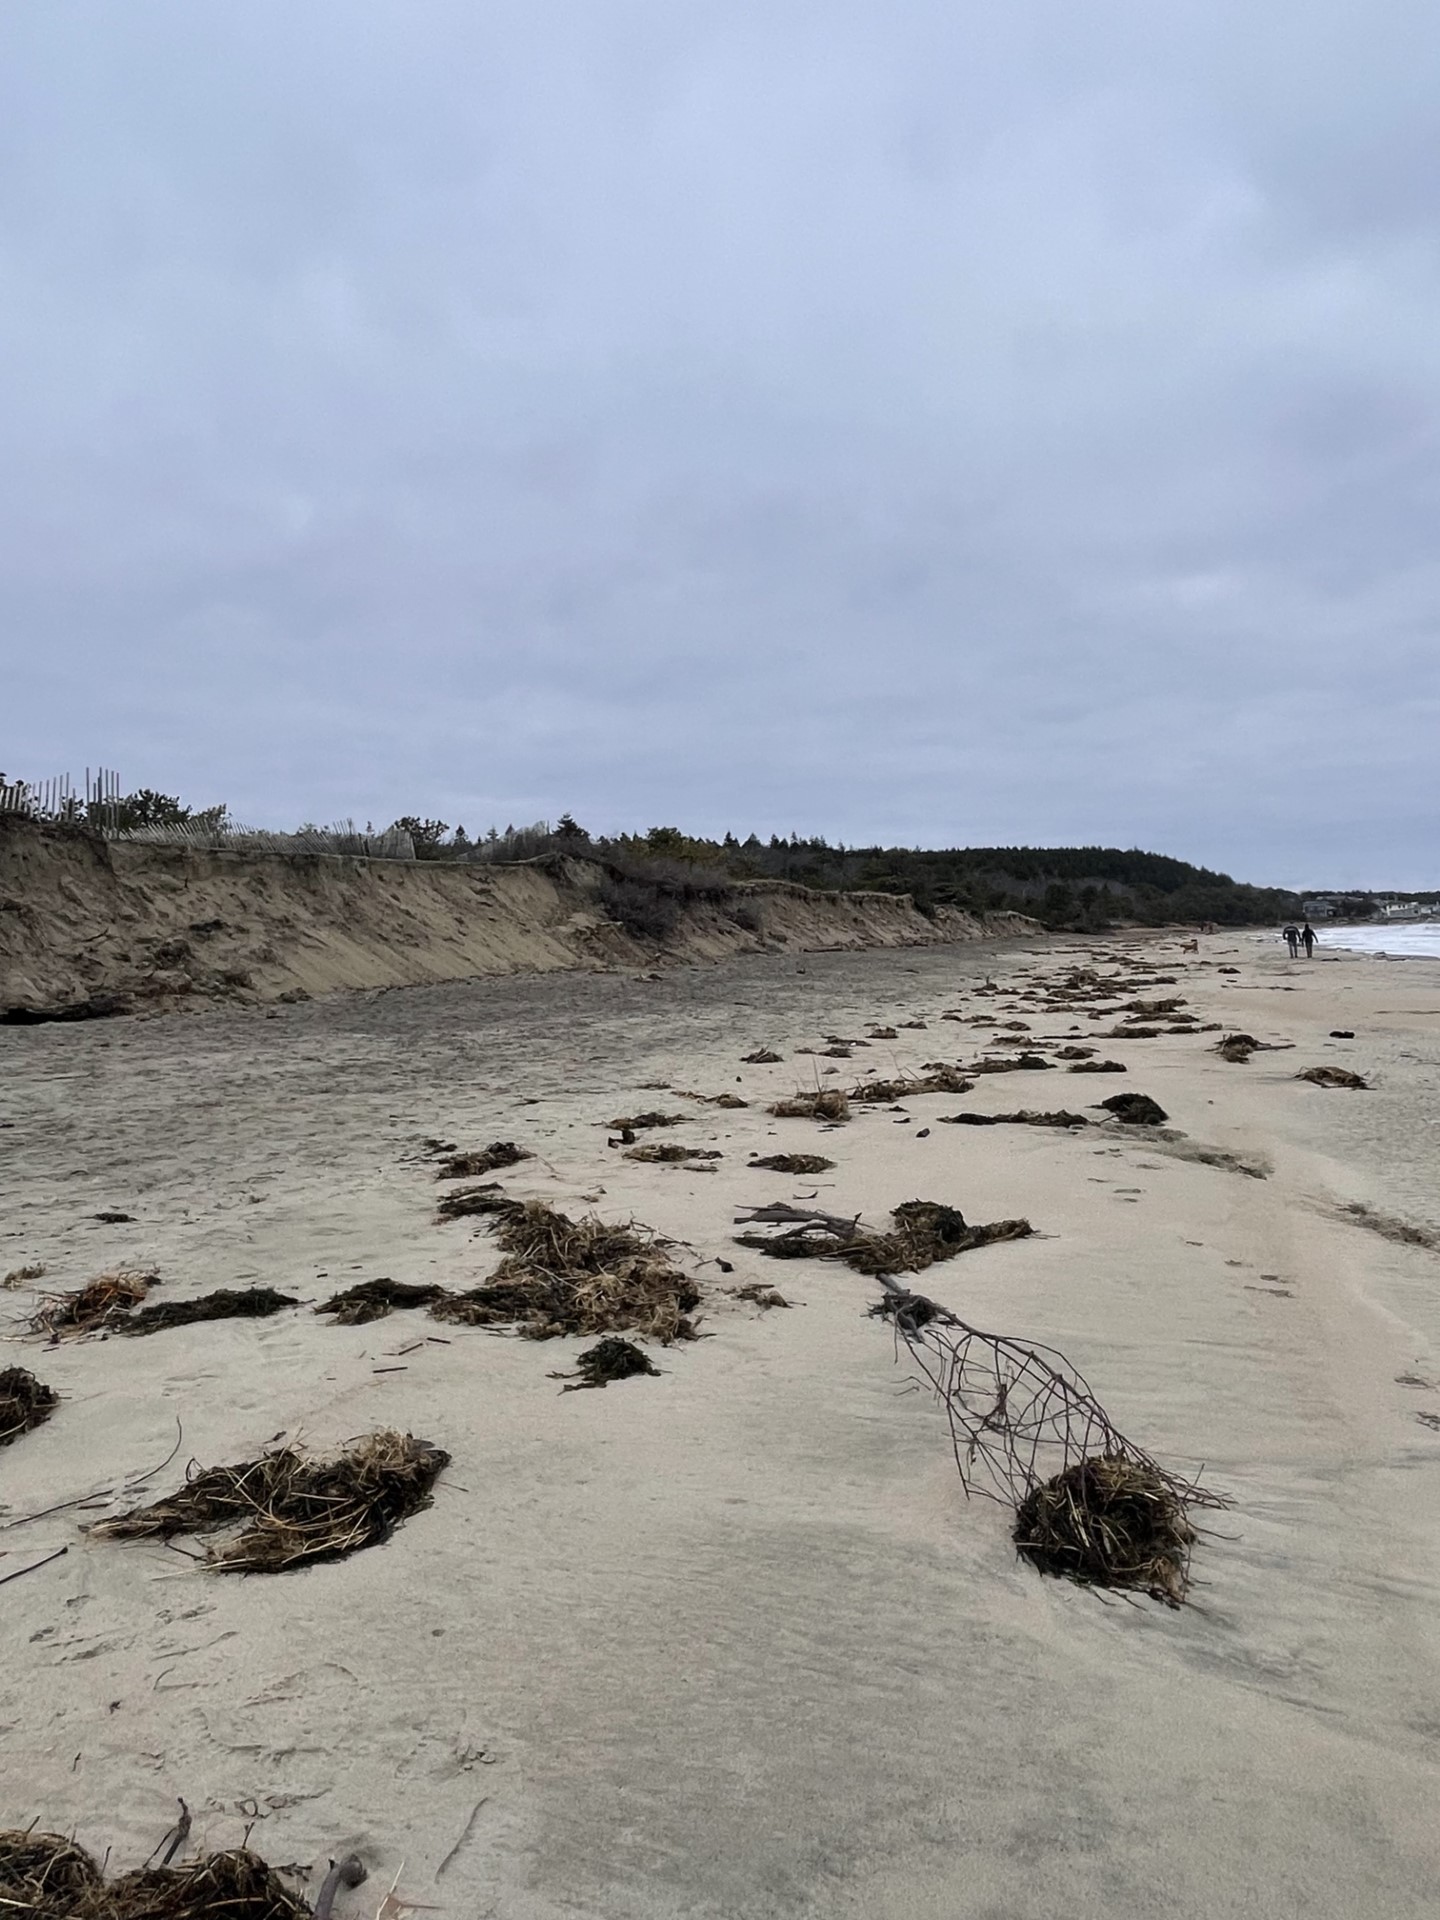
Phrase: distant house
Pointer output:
(1323, 908)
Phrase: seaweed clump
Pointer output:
(225, 1303)
(371, 1300)
(292, 1509)
(794, 1163)
(939, 1079)
(466, 1166)
(828, 1104)
(44, 1876)
(25, 1402)
(609, 1359)
(1237, 1048)
(1099, 1066)
(576, 1276)
(667, 1154)
(1136, 1109)
(1109, 1521)
(1334, 1077)
(1024, 1117)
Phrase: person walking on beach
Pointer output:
(1292, 939)
(1307, 934)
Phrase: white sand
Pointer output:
(731, 1642)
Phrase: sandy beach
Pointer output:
(731, 1642)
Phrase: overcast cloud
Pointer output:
(899, 419)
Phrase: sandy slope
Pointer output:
(730, 1642)
(162, 926)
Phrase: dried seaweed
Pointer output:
(762, 1057)
(829, 1104)
(794, 1163)
(1237, 1048)
(25, 1403)
(759, 1296)
(670, 1155)
(1024, 1117)
(468, 1202)
(500, 1153)
(637, 1122)
(577, 1276)
(225, 1303)
(1334, 1077)
(924, 1233)
(610, 1359)
(100, 1304)
(20, 1276)
(292, 1509)
(939, 1079)
(1021, 1063)
(371, 1300)
(1099, 1066)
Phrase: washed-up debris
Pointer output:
(1334, 1077)
(638, 1122)
(925, 1232)
(935, 1079)
(610, 1359)
(1152, 1009)
(830, 1104)
(25, 1403)
(1099, 1066)
(1136, 1109)
(795, 1163)
(1133, 1033)
(44, 1876)
(1023, 1118)
(21, 1276)
(1342, 1033)
(1109, 1521)
(293, 1509)
(670, 1155)
(730, 1100)
(1237, 1048)
(466, 1202)
(112, 1217)
(762, 1057)
(225, 1303)
(883, 1033)
(466, 1166)
(576, 1276)
(761, 1296)
(1021, 1063)
(371, 1300)
(1075, 1053)
(1027, 1430)
(1386, 1224)
(97, 1306)
(835, 1053)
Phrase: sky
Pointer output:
(910, 421)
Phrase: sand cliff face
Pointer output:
(117, 926)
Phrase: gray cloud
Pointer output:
(934, 424)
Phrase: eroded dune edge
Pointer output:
(91, 925)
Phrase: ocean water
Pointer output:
(1418, 939)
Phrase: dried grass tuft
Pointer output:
(468, 1202)
(577, 1276)
(44, 1876)
(1109, 1521)
(25, 1403)
(293, 1509)
(100, 1304)
(466, 1166)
